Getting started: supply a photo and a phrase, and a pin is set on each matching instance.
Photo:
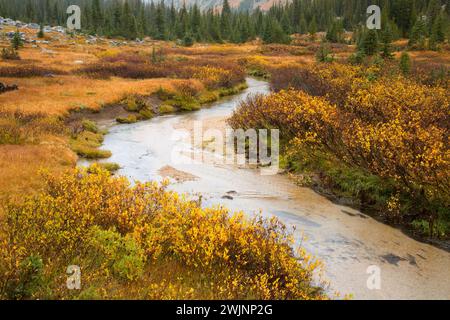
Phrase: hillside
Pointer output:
(237, 4)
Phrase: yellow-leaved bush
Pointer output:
(143, 241)
(391, 128)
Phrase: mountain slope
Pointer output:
(238, 4)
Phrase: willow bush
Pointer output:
(143, 241)
(386, 127)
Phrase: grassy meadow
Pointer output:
(375, 132)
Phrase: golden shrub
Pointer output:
(390, 127)
(115, 232)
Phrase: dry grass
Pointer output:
(19, 165)
(65, 89)
(61, 94)
(61, 90)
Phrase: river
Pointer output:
(349, 243)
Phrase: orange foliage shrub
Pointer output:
(213, 73)
(26, 71)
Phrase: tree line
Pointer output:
(130, 19)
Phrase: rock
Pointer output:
(46, 51)
(5, 88)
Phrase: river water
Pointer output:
(354, 248)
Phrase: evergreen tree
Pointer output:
(324, 53)
(40, 33)
(386, 40)
(16, 41)
(225, 22)
(303, 26)
(274, 33)
(335, 32)
(196, 22)
(182, 26)
(313, 28)
(97, 16)
(369, 44)
(160, 22)
(140, 18)
(433, 13)
(437, 33)
(405, 63)
(129, 26)
(188, 40)
(418, 35)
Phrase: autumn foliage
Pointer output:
(120, 234)
(213, 72)
(392, 128)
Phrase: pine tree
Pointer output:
(369, 44)
(160, 23)
(303, 26)
(16, 41)
(40, 33)
(129, 25)
(437, 33)
(139, 18)
(324, 53)
(285, 23)
(386, 40)
(214, 27)
(182, 26)
(116, 19)
(225, 22)
(313, 28)
(417, 37)
(97, 17)
(405, 63)
(433, 13)
(196, 21)
(188, 40)
(403, 14)
(335, 32)
(274, 33)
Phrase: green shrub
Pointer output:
(121, 254)
(188, 40)
(131, 104)
(166, 108)
(86, 145)
(108, 166)
(146, 113)
(357, 58)
(29, 279)
(208, 97)
(10, 54)
(129, 119)
(89, 125)
(164, 94)
(440, 228)
(324, 53)
(405, 63)
(223, 92)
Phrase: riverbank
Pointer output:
(55, 81)
(346, 240)
(305, 181)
